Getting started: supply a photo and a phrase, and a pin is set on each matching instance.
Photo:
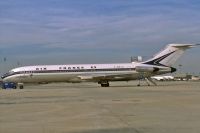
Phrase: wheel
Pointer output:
(21, 87)
(105, 85)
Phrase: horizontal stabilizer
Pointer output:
(184, 45)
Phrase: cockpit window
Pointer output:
(7, 74)
(11, 72)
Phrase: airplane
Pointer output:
(102, 74)
(163, 78)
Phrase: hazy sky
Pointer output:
(95, 31)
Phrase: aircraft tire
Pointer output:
(105, 85)
(21, 87)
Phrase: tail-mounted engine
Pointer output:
(146, 69)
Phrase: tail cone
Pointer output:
(173, 69)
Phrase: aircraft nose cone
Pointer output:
(173, 69)
(2, 77)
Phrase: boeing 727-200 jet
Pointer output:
(161, 63)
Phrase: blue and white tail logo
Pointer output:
(169, 55)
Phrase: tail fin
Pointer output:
(169, 55)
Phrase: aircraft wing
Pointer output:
(98, 77)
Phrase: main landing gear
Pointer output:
(104, 83)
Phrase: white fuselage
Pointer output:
(77, 73)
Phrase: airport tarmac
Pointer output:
(88, 108)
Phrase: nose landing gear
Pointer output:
(104, 83)
(20, 85)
